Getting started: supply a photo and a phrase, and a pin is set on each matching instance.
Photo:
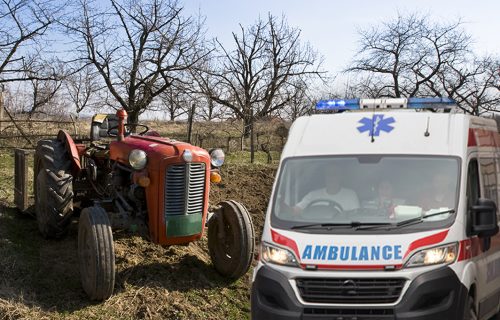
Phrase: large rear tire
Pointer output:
(96, 253)
(53, 188)
(232, 249)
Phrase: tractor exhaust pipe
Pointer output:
(122, 116)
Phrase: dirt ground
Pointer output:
(39, 279)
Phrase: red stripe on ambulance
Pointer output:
(427, 241)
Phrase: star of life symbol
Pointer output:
(376, 124)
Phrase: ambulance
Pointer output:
(383, 209)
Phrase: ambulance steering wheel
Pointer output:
(334, 205)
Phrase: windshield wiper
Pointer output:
(406, 222)
(352, 224)
(421, 218)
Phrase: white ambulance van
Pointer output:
(383, 209)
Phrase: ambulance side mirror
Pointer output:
(484, 218)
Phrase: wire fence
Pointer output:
(270, 136)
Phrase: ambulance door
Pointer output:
(488, 263)
(473, 194)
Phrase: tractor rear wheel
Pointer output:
(231, 239)
(53, 188)
(96, 253)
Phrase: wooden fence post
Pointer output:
(1, 108)
(190, 122)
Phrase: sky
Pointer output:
(330, 26)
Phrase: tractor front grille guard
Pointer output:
(184, 189)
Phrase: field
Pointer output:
(39, 279)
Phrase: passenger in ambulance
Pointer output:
(333, 194)
(440, 194)
(385, 201)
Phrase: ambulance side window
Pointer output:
(472, 183)
(489, 178)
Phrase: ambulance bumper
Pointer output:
(437, 294)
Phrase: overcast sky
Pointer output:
(331, 26)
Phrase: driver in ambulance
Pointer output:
(332, 192)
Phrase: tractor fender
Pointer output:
(72, 149)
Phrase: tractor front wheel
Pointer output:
(231, 239)
(96, 253)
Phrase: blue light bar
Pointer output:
(430, 103)
(338, 105)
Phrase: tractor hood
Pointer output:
(156, 148)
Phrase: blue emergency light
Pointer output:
(339, 105)
(433, 103)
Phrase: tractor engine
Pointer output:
(151, 184)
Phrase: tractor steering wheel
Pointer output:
(127, 133)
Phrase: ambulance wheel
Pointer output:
(470, 309)
(231, 239)
(96, 253)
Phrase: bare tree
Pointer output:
(176, 102)
(45, 82)
(140, 48)
(300, 104)
(205, 89)
(82, 88)
(254, 79)
(399, 58)
(22, 24)
(473, 84)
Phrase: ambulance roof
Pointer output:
(374, 131)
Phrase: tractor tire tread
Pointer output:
(97, 222)
(52, 160)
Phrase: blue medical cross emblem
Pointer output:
(376, 124)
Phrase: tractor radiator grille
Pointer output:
(185, 188)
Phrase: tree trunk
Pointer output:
(133, 118)
(247, 124)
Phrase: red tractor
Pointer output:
(141, 182)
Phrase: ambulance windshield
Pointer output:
(366, 189)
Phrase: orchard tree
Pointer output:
(399, 58)
(23, 23)
(413, 56)
(83, 88)
(255, 78)
(140, 48)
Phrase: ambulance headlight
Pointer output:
(217, 157)
(438, 255)
(272, 254)
(137, 159)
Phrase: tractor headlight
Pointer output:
(137, 159)
(438, 255)
(217, 157)
(272, 254)
(187, 155)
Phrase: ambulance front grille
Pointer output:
(185, 188)
(359, 291)
(345, 313)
